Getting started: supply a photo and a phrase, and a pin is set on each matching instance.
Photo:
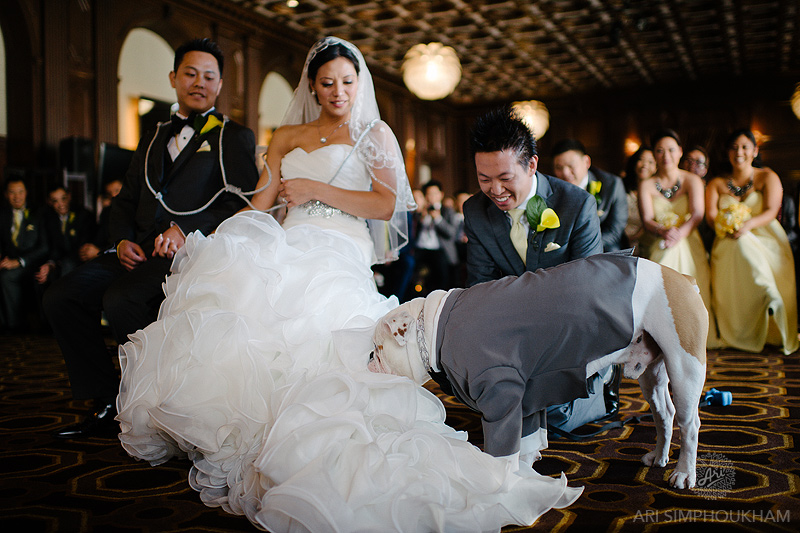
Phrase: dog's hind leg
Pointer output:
(686, 393)
(654, 383)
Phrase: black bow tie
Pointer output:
(179, 123)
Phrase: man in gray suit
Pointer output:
(506, 162)
(572, 164)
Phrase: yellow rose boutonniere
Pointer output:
(539, 215)
(211, 123)
(594, 190)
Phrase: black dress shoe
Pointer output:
(100, 423)
(611, 391)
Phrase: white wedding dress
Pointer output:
(256, 369)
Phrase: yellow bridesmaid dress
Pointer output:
(687, 257)
(753, 285)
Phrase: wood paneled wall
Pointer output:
(62, 81)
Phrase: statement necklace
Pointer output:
(740, 191)
(669, 193)
(322, 139)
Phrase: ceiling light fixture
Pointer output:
(796, 101)
(431, 71)
(535, 115)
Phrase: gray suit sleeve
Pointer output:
(480, 265)
(498, 393)
(613, 227)
(586, 239)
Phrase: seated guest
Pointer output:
(101, 240)
(752, 268)
(640, 166)
(671, 204)
(695, 161)
(572, 164)
(22, 249)
(66, 231)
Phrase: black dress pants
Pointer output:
(73, 306)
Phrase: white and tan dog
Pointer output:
(667, 343)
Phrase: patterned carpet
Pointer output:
(748, 460)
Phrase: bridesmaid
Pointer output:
(640, 166)
(752, 268)
(671, 204)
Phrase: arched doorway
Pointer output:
(144, 92)
(276, 93)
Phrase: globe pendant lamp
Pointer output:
(431, 71)
(535, 115)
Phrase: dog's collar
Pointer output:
(423, 349)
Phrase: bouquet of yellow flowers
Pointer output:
(672, 220)
(730, 219)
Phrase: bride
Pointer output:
(256, 366)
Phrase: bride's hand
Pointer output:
(297, 191)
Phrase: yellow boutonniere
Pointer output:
(211, 123)
(71, 217)
(594, 190)
(539, 215)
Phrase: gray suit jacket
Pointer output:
(490, 254)
(512, 347)
(612, 209)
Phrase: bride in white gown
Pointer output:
(256, 366)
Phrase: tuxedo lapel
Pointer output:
(535, 246)
(156, 168)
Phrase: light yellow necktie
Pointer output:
(519, 234)
(17, 226)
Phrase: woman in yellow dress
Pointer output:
(752, 268)
(671, 204)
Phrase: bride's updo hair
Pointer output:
(329, 53)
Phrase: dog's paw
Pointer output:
(655, 459)
(682, 480)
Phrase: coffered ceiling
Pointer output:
(513, 49)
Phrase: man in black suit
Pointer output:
(23, 247)
(572, 164)
(168, 192)
(66, 230)
(502, 241)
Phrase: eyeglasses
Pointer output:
(698, 162)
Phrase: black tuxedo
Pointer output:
(131, 299)
(612, 209)
(30, 249)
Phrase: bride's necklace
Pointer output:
(322, 139)
(668, 193)
(740, 191)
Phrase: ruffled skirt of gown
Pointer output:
(281, 418)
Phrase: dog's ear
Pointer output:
(399, 326)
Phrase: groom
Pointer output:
(182, 163)
(501, 241)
